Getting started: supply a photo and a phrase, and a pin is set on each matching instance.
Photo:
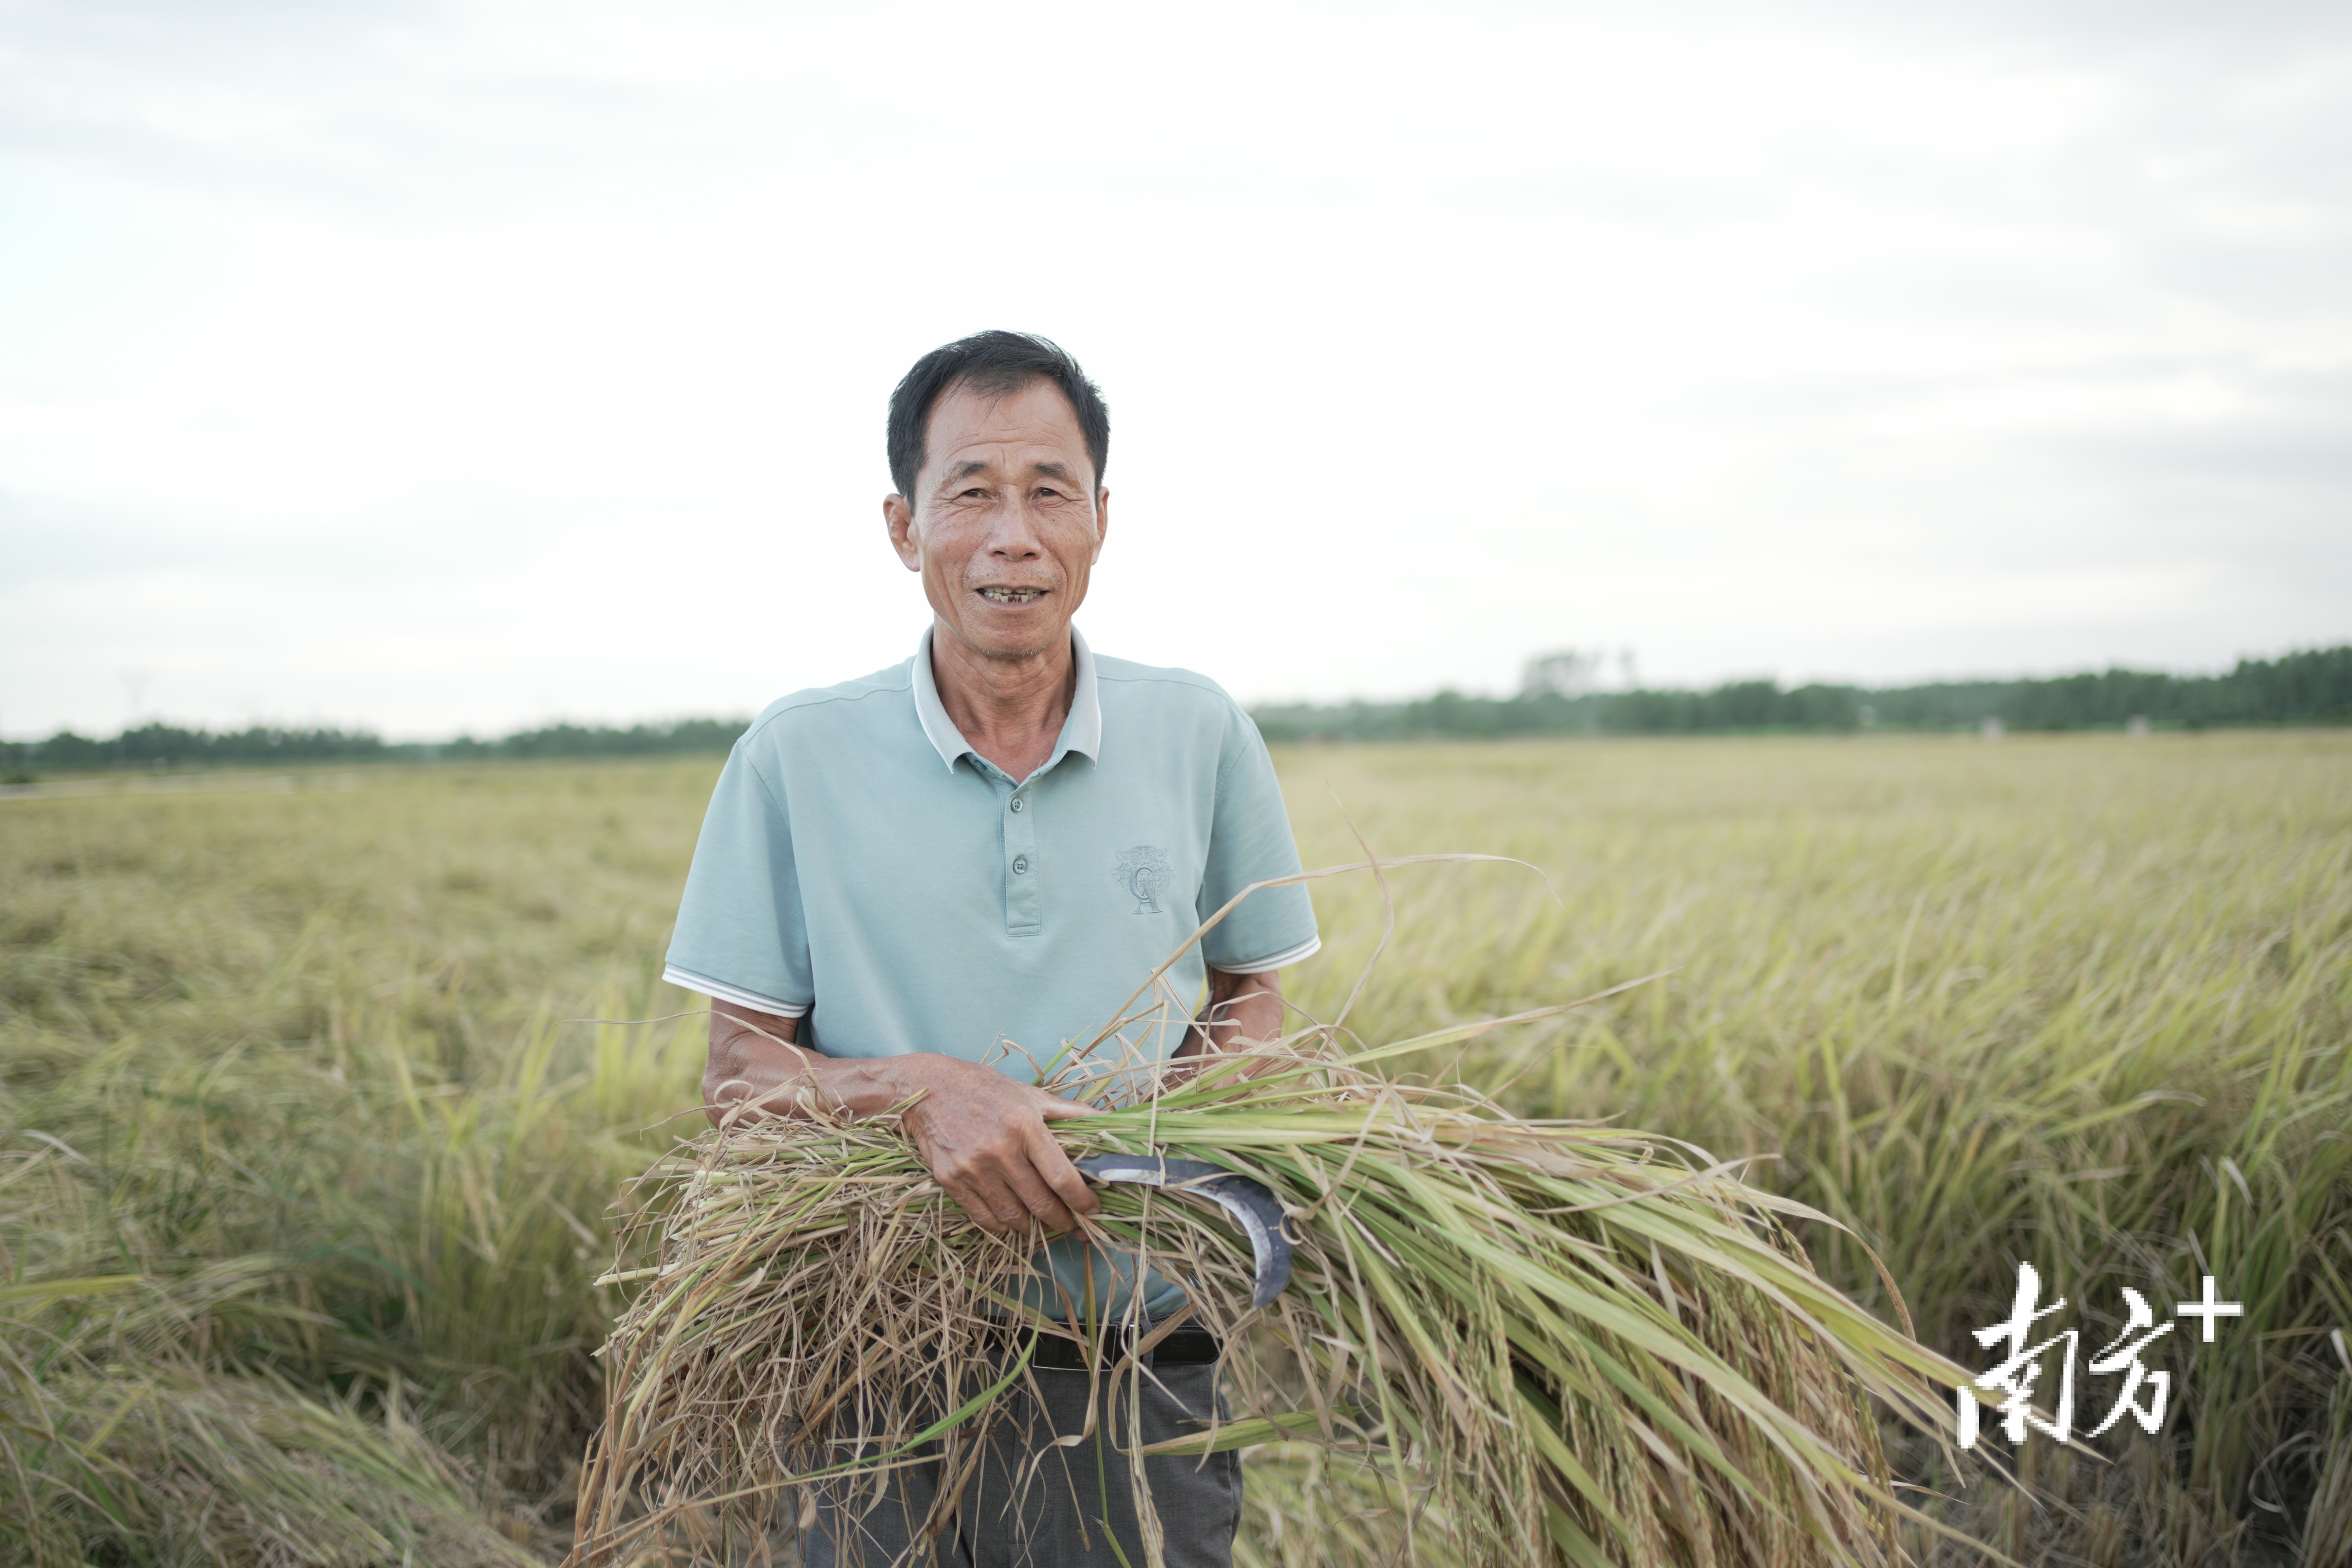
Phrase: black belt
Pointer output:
(1188, 1344)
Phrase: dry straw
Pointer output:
(1513, 1342)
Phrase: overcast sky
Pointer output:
(457, 367)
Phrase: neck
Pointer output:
(1011, 711)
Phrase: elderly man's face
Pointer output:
(1006, 522)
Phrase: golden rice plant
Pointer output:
(1571, 1344)
(119, 1443)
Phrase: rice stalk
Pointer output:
(2132, 962)
(1307, 1506)
(1571, 1344)
(151, 1464)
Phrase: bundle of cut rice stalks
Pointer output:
(1523, 1341)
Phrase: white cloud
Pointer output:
(458, 366)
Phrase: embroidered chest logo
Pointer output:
(1143, 872)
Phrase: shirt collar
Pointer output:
(1081, 732)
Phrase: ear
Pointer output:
(898, 517)
(1102, 523)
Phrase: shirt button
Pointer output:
(1018, 802)
(1021, 863)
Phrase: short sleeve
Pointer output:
(1250, 841)
(741, 936)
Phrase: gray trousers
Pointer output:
(1073, 1501)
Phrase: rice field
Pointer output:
(309, 1142)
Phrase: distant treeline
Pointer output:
(169, 746)
(687, 735)
(2310, 688)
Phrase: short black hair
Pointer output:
(991, 363)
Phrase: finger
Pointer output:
(1029, 1191)
(1054, 1109)
(1038, 1200)
(977, 1200)
(961, 1192)
(994, 1206)
(1054, 1167)
(976, 1208)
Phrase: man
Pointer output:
(926, 884)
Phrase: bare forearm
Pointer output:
(1242, 1009)
(1256, 1015)
(754, 1056)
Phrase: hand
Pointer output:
(982, 1135)
(984, 1138)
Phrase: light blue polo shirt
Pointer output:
(864, 870)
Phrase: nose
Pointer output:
(1013, 533)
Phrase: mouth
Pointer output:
(1013, 595)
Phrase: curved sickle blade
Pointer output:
(1252, 1206)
